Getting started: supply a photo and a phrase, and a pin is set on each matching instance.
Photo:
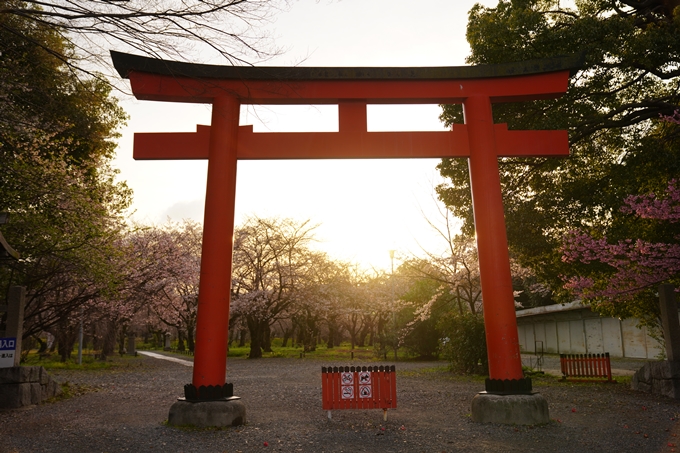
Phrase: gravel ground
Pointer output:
(125, 409)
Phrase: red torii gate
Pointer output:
(224, 142)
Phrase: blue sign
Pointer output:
(7, 344)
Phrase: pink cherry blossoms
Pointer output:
(636, 264)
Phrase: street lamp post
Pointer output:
(394, 312)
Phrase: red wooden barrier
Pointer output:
(586, 367)
(359, 388)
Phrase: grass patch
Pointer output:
(69, 390)
(442, 373)
(430, 371)
(53, 362)
(341, 353)
(623, 379)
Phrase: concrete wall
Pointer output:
(574, 329)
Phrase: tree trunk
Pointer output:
(108, 339)
(159, 339)
(256, 334)
(363, 333)
(65, 345)
(122, 334)
(190, 338)
(242, 337)
(331, 336)
(267, 337)
(286, 337)
(53, 345)
(65, 339)
(43, 345)
(180, 340)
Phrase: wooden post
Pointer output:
(15, 318)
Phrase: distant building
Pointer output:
(574, 329)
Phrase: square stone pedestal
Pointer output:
(203, 414)
(523, 409)
(662, 378)
(25, 386)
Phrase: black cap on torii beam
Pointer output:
(126, 63)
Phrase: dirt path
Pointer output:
(125, 410)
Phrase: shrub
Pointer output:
(464, 345)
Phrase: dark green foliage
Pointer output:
(56, 141)
(423, 340)
(426, 304)
(464, 343)
(618, 145)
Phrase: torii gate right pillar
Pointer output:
(508, 397)
(492, 244)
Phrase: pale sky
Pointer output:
(364, 207)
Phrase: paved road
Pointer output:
(169, 358)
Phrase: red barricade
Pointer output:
(359, 387)
(588, 366)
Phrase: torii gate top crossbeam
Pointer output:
(161, 80)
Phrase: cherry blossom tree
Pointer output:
(356, 315)
(620, 277)
(161, 284)
(319, 302)
(271, 264)
(630, 265)
(456, 270)
(66, 207)
(176, 303)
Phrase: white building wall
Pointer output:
(593, 334)
(563, 340)
(551, 337)
(574, 329)
(577, 337)
(611, 336)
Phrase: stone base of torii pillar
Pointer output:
(529, 409)
(204, 414)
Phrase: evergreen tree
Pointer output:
(612, 109)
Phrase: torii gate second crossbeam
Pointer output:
(224, 142)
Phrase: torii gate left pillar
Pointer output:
(508, 397)
(216, 255)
